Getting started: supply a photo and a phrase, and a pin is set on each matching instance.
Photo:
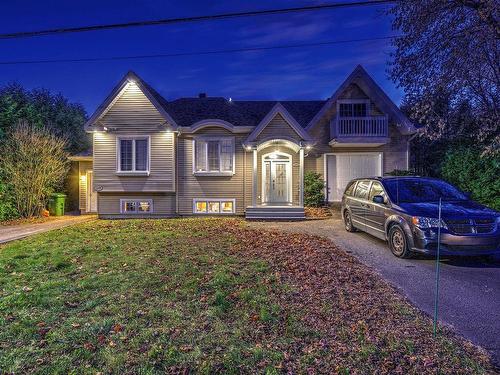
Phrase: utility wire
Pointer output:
(193, 53)
(212, 17)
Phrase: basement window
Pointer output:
(214, 206)
(136, 206)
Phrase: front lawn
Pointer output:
(207, 296)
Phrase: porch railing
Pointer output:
(371, 126)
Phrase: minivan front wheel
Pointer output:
(348, 222)
(398, 243)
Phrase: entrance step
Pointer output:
(275, 213)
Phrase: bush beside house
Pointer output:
(314, 188)
(35, 163)
(474, 173)
(41, 109)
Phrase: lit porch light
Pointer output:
(83, 178)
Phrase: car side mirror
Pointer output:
(378, 199)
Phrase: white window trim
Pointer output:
(353, 101)
(136, 212)
(133, 172)
(213, 173)
(220, 200)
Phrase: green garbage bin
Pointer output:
(57, 202)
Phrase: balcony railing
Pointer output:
(371, 126)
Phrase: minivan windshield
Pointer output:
(421, 190)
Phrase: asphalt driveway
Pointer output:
(469, 288)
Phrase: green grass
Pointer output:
(140, 297)
(206, 296)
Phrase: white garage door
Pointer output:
(342, 168)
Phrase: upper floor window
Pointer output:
(133, 154)
(353, 109)
(214, 155)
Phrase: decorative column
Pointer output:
(301, 177)
(254, 179)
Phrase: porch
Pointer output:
(277, 180)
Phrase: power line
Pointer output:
(193, 53)
(212, 17)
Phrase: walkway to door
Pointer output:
(15, 232)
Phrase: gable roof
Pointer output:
(156, 100)
(278, 109)
(185, 112)
(360, 77)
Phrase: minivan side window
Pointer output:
(376, 189)
(361, 190)
(350, 188)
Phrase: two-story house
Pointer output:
(215, 156)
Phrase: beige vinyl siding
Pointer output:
(83, 167)
(394, 152)
(132, 112)
(109, 204)
(278, 127)
(162, 170)
(295, 171)
(314, 163)
(190, 186)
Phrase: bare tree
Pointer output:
(34, 162)
(447, 59)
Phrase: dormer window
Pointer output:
(353, 108)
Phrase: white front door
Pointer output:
(91, 193)
(343, 167)
(276, 178)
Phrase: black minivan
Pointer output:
(404, 211)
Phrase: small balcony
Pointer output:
(360, 131)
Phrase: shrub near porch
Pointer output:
(156, 296)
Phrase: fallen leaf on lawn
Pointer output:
(27, 289)
(117, 328)
(75, 325)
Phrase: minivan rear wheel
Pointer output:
(398, 243)
(348, 222)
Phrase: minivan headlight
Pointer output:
(427, 222)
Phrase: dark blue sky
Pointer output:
(305, 73)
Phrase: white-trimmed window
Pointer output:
(133, 154)
(213, 155)
(136, 206)
(214, 206)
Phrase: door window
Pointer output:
(362, 189)
(376, 189)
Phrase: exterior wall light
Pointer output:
(83, 178)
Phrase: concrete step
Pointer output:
(275, 212)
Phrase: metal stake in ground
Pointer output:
(436, 297)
